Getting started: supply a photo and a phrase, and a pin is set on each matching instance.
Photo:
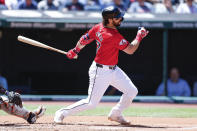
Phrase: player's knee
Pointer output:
(133, 92)
(92, 105)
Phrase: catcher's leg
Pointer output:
(12, 109)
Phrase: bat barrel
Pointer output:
(39, 44)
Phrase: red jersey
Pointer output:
(2, 2)
(109, 41)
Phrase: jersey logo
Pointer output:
(98, 45)
(123, 42)
(98, 34)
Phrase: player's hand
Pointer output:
(72, 54)
(142, 32)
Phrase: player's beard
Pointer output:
(116, 24)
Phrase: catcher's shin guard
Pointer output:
(32, 118)
(37, 113)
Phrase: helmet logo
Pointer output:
(110, 8)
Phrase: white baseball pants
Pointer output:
(99, 80)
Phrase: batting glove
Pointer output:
(73, 53)
(142, 32)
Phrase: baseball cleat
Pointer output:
(119, 119)
(58, 119)
(39, 111)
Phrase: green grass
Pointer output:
(132, 111)
(147, 112)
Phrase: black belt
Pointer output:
(110, 67)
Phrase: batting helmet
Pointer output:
(112, 12)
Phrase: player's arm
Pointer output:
(84, 40)
(13, 97)
(132, 47)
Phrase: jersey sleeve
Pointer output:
(88, 37)
(122, 43)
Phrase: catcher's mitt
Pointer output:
(15, 98)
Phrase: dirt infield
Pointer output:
(100, 123)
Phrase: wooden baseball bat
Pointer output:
(39, 44)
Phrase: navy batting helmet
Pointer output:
(112, 12)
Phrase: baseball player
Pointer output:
(104, 70)
(12, 104)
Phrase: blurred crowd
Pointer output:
(133, 6)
